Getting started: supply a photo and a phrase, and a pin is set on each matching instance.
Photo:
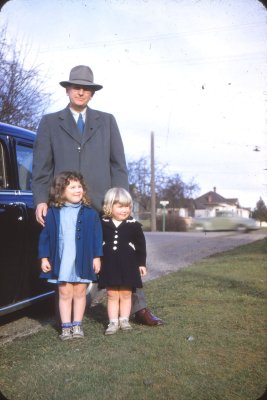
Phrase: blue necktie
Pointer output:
(80, 123)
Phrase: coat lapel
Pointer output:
(67, 123)
(110, 224)
(91, 124)
(56, 212)
(107, 222)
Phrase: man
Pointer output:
(87, 141)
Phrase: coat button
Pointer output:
(114, 247)
(116, 236)
(115, 241)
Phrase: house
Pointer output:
(210, 203)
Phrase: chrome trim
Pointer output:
(24, 303)
(7, 192)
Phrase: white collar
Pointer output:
(116, 223)
(76, 113)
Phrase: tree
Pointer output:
(177, 192)
(139, 180)
(260, 212)
(167, 187)
(23, 99)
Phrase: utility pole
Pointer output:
(152, 186)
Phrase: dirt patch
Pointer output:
(16, 329)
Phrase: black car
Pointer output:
(20, 284)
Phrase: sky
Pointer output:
(194, 72)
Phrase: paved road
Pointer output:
(167, 252)
(170, 251)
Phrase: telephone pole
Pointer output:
(152, 186)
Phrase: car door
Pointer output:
(223, 222)
(12, 230)
(31, 285)
(19, 231)
(219, 223)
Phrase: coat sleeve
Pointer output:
(118, 168)
(140, 244)
(44, 250)
(42, 169)
(98, 237)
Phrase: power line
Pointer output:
(157, 37)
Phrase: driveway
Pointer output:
(167, 252)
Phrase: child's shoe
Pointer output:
(66, 334)
(77, 332)
(124, 325)
(112, 328)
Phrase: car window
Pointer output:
(24, 161)
(3, 181)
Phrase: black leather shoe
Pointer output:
(145, 317)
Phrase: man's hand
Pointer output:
(142, 271)
(97, 264)
(40, 213)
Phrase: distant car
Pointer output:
(224, 222)
(20, 285)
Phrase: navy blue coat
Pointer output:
(124, 250)
(88, 242)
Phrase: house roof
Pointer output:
(212, 198)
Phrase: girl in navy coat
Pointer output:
(70, 247)
(124, 257)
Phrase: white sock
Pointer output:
(116, 321)
(124, 319)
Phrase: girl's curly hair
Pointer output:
(59, 184)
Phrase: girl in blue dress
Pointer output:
(70, 247)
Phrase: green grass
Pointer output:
(220, 301)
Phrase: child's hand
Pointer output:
(97, 264)
(142, 271)
(45, 265)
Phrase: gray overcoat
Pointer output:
(98, 153)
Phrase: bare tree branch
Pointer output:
(167, 187)
(22, 97)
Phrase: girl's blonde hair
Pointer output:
(116, 195)
(59, 184)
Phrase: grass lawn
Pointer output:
(220, 302)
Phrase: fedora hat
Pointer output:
(81, 75)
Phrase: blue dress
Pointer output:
(67, 248)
